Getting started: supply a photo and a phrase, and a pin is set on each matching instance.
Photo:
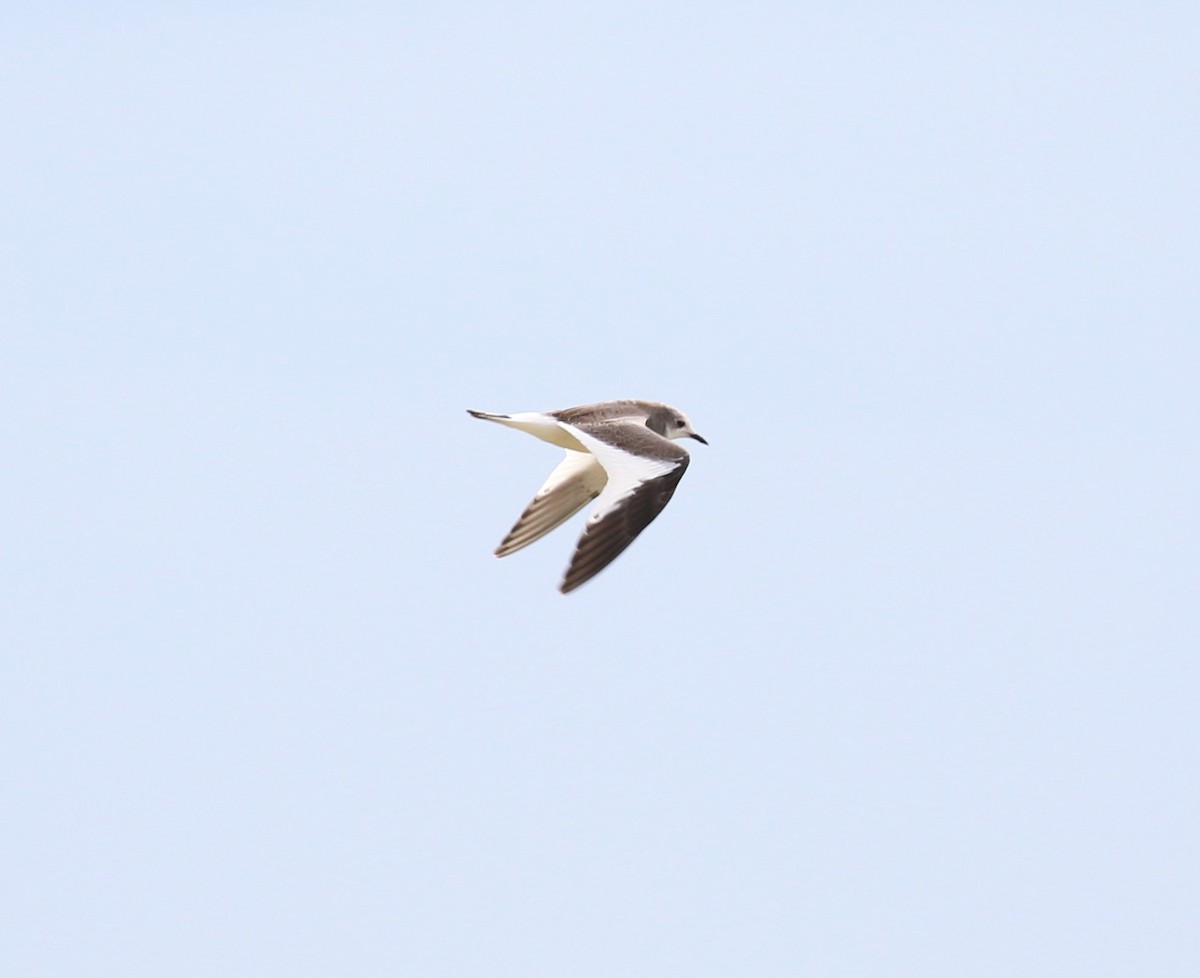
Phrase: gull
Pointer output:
(619, 453)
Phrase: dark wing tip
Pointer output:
(603, 542)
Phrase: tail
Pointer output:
(543, 426)
(488, 417)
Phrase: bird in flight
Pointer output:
(620, 453)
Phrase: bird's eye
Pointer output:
(678, 424)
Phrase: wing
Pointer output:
(576, 481)
(643, 470)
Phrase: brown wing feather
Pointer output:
(542, 516)
(604, 541)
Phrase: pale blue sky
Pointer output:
(902, 683)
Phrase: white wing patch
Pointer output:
(625, 471)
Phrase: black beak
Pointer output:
(698, 438)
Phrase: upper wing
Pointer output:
(577, 480)
(643, 470)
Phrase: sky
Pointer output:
(902, 683)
